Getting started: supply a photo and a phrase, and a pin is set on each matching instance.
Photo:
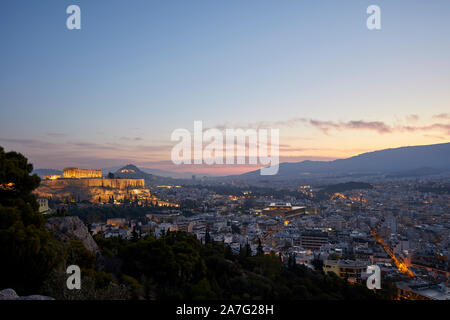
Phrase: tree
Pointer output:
(135, 235)
(259, 250)
(78, 254)
(248, 250)
(317, 264)
(207, 237)
(333, 256)
(28, 252)
(291, 260)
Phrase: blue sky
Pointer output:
(113, 91)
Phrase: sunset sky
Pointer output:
(113, 92)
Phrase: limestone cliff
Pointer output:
(72, 228)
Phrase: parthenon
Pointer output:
(82, 173)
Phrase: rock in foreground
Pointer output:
(10, 294)
(72, 228)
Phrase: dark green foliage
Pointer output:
(101, 214)
(28, 251)
(178, 266)
(317, 264)
(136, 289)
(259, 250)
(32, 260)
(207, 237)
(77, 254)
(333, 256)
(94, 286)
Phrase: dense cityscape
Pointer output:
(401, 225)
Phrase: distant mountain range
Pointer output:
(130, 171)
(157, 172)
(397, 162)
(414, 161)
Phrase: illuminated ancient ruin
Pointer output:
(82, 173)
(88, 185)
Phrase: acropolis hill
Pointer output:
(81, 184)
(93, 189)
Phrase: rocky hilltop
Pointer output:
(93, 189)
(418, 160)
(72, 228)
